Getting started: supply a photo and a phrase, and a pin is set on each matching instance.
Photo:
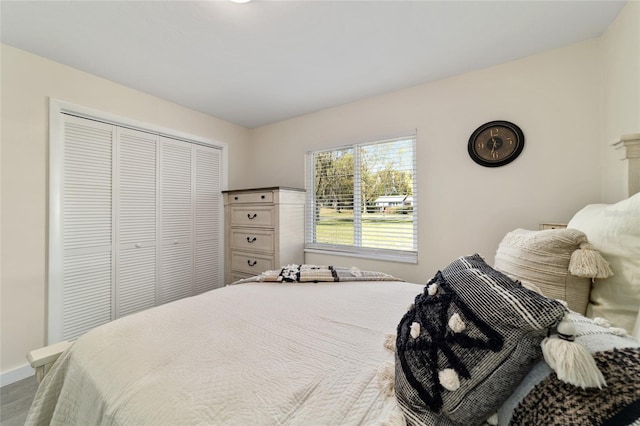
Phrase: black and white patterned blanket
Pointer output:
(296, 273)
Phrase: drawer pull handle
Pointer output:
(235, 198)
(262, 196)
(252, 240)
(252, 217)
(255, 262)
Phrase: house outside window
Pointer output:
(362, 199)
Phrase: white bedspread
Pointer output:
(250, 354)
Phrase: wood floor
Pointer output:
(15, 400)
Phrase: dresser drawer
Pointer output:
(251, 197)
(252, 216)
(253, 264)
(247, 239)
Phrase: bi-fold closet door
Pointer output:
(140, 225)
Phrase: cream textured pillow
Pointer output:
(614, 229)
(543, 258)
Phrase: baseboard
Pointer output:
(16, 375)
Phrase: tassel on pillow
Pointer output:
(390, 341)
(386, 376)
(493, 419)
(587, 262)
(571, 361)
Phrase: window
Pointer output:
(362, 200)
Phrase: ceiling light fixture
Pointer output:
(240, 1)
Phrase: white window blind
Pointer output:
(362, 199)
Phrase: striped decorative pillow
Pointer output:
(467, 342)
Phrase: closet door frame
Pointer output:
(55, 253)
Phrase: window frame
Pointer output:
(396, 255)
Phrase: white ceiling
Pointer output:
(265, 61)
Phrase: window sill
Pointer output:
(411, 257)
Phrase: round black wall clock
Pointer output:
(496, 143)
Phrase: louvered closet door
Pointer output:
(176, 271)
(209, 269)
(86, 225)
(136, 224)
(135, 221)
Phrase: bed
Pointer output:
(316, 365)
(340, 348)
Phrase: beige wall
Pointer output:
(555, 97)
(569, 102)
(621, 77)
(27, 83)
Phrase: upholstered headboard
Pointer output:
(629, 148)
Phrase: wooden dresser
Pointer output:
(264, 229)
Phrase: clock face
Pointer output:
(496, 143)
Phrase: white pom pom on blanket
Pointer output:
(432, 290)
(456, 324)
(449, 379)
(415, 330)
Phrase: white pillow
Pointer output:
(614, 230)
